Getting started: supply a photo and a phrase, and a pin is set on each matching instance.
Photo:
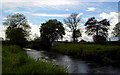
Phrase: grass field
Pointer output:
(102, 53)
(15, 60)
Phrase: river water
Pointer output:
(73, 65)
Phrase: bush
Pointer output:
(39, 44)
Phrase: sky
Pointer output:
(40, 11)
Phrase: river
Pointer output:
(73, 65)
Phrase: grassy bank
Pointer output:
(15, 60)
(100, 53)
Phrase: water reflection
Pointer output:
(73, 65)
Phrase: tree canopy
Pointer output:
(72, 22)
(117, 30)
(18, 29)
(99, 29)
(52, 30)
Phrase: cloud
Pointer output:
(84, 18)
(79, 14)
(34, 30)
(68, 34)
(91, 9)
(84, 35)
(11, 11)
(42, 2)
(67, 9)
(2, 31)
(39, 14)
(56, 4)
(59, 1)
(113, 18)
(51, 15)
(36, 3)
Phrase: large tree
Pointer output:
(99, 29)
(72, 22)
(18, 29)
(52, 30)
(117, 30)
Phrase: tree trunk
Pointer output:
(97, 34)
(73, 39)
(73, 35)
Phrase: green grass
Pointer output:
(15, 60)
(0, 58)
(104, 53)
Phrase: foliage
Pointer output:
(99, 39)
(17, 30)
(52, 30)
(90, 51)
(117, 30)
(97, 29)
(38, 44)
(15, 60)
(17, 36)
(72, 22)
(76, 34)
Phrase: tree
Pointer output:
(99, 30)
(17, 30)
(72, 22)
(52, 30)
(117, 30)
(76, 34)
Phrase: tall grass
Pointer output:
(0, 58)
(15, 60)
(103, 53)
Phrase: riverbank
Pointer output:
(100, 53)
(15, 60)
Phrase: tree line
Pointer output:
(18, 29)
